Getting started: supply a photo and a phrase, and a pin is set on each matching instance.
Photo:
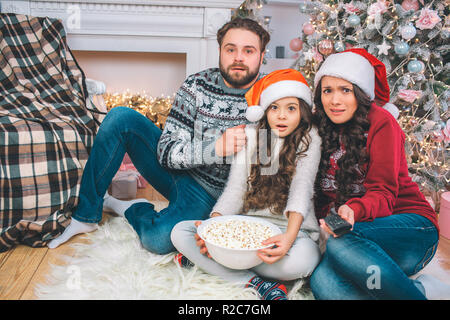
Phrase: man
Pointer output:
(187, 162)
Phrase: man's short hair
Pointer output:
(247, 24)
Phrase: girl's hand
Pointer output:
(282, 244)
(199, 242)
(346, 213)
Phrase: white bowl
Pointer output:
(235, 258)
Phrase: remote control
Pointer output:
(336, 224)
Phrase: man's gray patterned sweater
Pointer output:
(203, 109)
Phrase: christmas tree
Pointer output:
(411, 38)
(251, 9)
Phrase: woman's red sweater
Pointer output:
(388, 186)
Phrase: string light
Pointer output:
(154, 108)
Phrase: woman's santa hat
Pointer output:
(359, 67)
(276, 85)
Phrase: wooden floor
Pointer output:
(23, 267)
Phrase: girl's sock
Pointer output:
(119, 206)
(181, 260)
(75, 227)
(268, 290)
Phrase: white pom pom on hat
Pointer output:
(359, 67)
(276, 85)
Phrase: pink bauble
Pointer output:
(410, 5)
(437, 136)
(326, 47)
(296, 44)
(308, 29)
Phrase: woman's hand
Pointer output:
(282, 243)
(346, 213)
(199, 242)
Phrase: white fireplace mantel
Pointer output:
(188, 26)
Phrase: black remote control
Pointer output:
(336, 224)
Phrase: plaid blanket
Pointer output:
(46, 130)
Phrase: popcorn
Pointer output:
(237, 234)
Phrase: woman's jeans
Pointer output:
(375, 259)
(125, 130)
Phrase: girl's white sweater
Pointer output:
(301, 191)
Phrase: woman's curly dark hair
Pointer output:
(272, 191)
(352, 135)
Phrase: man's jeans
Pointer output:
(375, 259)
(126, 130)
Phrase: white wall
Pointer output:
(163, 73)
(286, 24)
(155, 73)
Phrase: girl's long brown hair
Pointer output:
(272, 191)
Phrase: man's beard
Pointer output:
(234, 81)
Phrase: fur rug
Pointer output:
(115, 266)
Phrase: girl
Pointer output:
(363, 174)
(281, 192)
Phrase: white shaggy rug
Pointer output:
(115, 266)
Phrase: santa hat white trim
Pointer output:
(278, 90)
(283, 89)
(349, 66)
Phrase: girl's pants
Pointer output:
(126, 130)
(299, 262)
(375, 260)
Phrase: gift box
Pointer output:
(444, 215)
(126, 181)
(124, 185)
(127, 165)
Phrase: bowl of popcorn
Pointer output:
(234, 240)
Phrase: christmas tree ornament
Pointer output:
(354, 20)
(302, 7)
(339, 46)
(414, 66)
(408, 32)
(410, 5)
(296, 44)
(326, 47)
(428, 19)
(438, 136)
(308, 29)
(308, 54)
(401, 48)
(383, 48)
(377, 9)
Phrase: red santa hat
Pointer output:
(359, 67)
(276, 85)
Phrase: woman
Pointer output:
(363, 174)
